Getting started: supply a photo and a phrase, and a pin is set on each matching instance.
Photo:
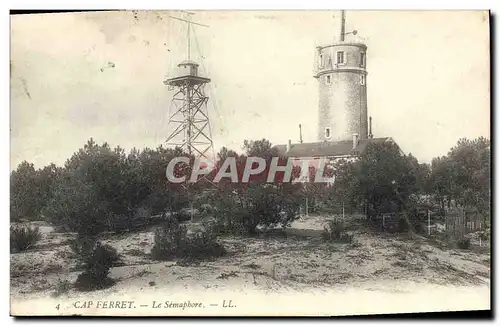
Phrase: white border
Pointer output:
(187, 4)
(258, 5)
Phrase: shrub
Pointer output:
(76, 206)
(168, 240)
(484, 235)
(23, 237)
(62, 287)
(96, 259)
(183, 215)
(463, 243)
(171, 241)
(30, 190)
(240, 211)
(335, 231)
(205, 210)
(203, 244)
(231, 217)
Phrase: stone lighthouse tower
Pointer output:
(341, 74)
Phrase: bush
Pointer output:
(240, 211)
(231, 217)
(62, 287)
(96, 259)
(183, 215)
(31, 190)
(76, 206)
(484, 235)
(335, 232)
(23, 237)
(463, 243)
(172, 241)
(203, 244)
(168, 240)
(205, 210)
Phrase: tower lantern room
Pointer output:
(188, 68)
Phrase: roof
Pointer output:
(194, 80)
(324, 149)
(344, 43)
(188, 62)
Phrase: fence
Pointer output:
(458, 223)
(312, 206)
(453, 223)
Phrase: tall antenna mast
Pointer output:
(189, 41)
(189, 22)
(343, 33)
(342, 26)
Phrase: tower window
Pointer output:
(340, 57)
(321, 60)
(362, 59)
(329, 62)
(328, 80)
(327, 133)
(362, 79)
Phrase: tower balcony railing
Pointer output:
(329, 68)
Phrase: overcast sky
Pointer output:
(428, 77)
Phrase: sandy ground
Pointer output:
(293, 275)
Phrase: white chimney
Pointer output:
(355, 140)
(289, 145)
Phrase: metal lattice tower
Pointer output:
(189, 120)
